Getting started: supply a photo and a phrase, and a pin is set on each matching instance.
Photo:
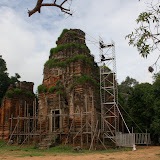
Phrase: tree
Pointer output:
(127, 85)
(54, 4)
(4, 79)
(15, 78)
(125, 89)
(155, 125)
(147, 36)
(143, 106)
(140, 106)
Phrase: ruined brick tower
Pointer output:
(16, 103)
(69, 85)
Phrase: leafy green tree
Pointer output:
(4, 79)
(125, 89)
(155, 125)
(140, 106)
(146, 36)
(15, 78)
(127, 85)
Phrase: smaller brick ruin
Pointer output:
(17, 102)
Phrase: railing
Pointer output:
(130, 139)
(142, 138)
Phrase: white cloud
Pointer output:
(24, 48)
(25, 42)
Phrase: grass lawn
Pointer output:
(16, 151)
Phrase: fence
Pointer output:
(130, 139)
(142, 138)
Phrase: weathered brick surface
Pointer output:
(82, 97)
(15, 106)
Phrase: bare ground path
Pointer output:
(147, 153)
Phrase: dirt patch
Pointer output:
(146, 153)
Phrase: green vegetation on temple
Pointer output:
(62, 47)
(9, 94)
(29, 94)
(83, 80)
(60, 89)
(64, 31)
(57, 88)
(42, 88)
(18, 92)
(71, 33)
(53, 62)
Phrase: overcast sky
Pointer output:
(25, 41)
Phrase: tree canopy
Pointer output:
(5, 81)
(143, 106)
(146, 37)
(127, 85)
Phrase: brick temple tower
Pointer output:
(70, 86)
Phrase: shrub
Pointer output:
(42, 88)
(64, 31)
(17, 91)
(84, 79)
(9, 94)
(52, 89)
(53, 62)
(55, 88)
(84, 58)
(61, 93)
(29, 94)
(61, 47)
(73, 34)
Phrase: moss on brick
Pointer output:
(9, 94)
(62, 47)
(54, 62)
(83, 80)
(42, 88)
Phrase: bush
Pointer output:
(67, 46)
(29, 94)
(61, 93)
(52, 89)
(17, 91)
(84, 79)
(73, 34)
(82, 57)
(55, 88)
(64, 31)
(9, 94)
(53, 62)
(42, 88)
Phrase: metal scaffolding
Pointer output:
(108, 92)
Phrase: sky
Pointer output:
(25, 41)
